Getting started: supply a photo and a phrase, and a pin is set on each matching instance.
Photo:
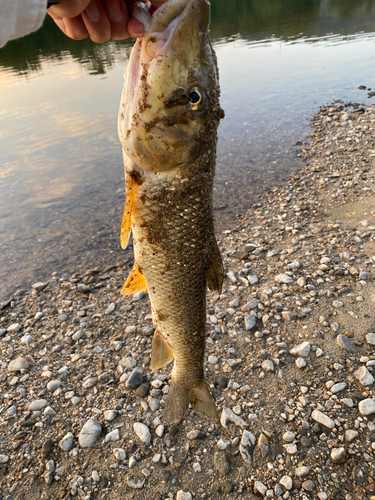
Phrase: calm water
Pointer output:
(61, 180)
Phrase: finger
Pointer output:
(68, 8)
(135, 28)
(96, 22)
(118, 17)
(75, 28)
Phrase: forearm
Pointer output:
(20, 17)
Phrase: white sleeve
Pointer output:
(20, 17)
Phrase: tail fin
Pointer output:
(178, 400)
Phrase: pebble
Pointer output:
(66, 443)
(338, 455)
(289, 436)
(364, 376)
(40, 286)
(119, 453)
(250, 322)
(18, 364)
(338, 387)
(135, 482)
(260, 487)
(344, 342)
(247, 446)
(323, 419)
(83, 288)
(302, 471)
(366, 407)
(38, 404)
(300, 363)
(110, 308)
(143, 432)
(112, 436)
(135, 379)
(268, 366)
(4, 459)
(53, 385)
(287, 482)
(90, 433)
(350, 435)
(284, 278)
(182, 495)
(223, 444)
(227, 417)
(370, 338)
(301, 350)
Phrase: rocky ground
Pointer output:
(290, 357)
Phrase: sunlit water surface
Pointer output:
(61, 177)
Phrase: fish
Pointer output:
(168, 120)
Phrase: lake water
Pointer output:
(61, 177)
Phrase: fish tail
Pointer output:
(179, 397)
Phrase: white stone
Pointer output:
(302, 471)
(370, 338)
(247, 446)
(182, 495)
(366, 407)
(38, 404)
(110, 415)
(364, 376)
(290, 448)
(227, 416)
(285, 279)
(338, 387)
(119, 453)
(53, 385)
(159, 431)
(289, 436)
(287, 482)
(90, 433)
(300, 363)
(323, 419)
(212, 359)
(268, 366)
(15, 327)
(223, 444)
(142, 431)
(260, 487)
(18, 364)
(112, 436)
(301, 350)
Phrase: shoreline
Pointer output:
(289, 356)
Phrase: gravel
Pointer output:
(290, 357)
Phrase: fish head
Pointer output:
(170, 103)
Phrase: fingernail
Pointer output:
(93, 11)
(115, 11)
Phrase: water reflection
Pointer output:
(61, 181)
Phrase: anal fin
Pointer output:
(135, 283)
(162, 352)
(215, 272)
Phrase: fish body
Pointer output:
(168, 122)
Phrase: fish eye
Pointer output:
(197, 100)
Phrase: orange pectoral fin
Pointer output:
(135, 283)
(126, 226)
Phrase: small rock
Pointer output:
(300, 363)
(15, 327)
(142, 431)
(338, 455)
(142, 390)
(135, 482)
(95, 476)
(138, 296)
(66, 443)
(227, 416)
(83, 288)
(18, 364)
(290, 448)
(370, 338)
(268, 366)
(260, 487)
(135, 379)
(350, 435)
(110, 415)
(223, 444)
(344, 342)
(250, 321)
(38, 404)
(119, 453)
(112, 436)
(53, 385)
(90, 433)
(247, 446)
(364, 376)
(195, 434)
(366, 407)
(289, 437)
(110, 308)
(302, 471)
(301, 350)
(323, 419)
(284, 278)
(4, 459)
(338, 387)
(287, 482)
(181, 495)
(40, 286)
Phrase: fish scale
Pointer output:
(168, 128)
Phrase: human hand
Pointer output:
(98, 19)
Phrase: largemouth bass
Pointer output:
(168, 122)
